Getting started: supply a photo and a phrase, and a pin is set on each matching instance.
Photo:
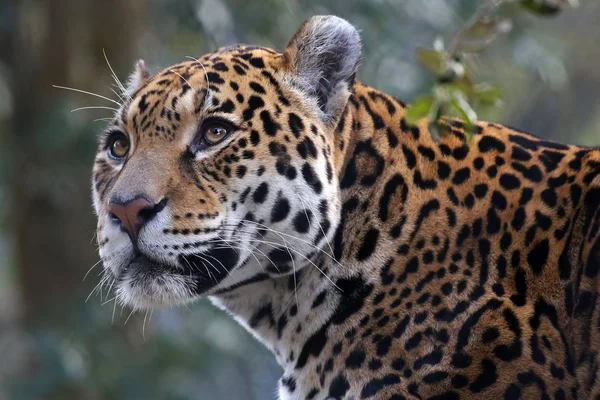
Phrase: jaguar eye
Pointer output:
(118, 146)
(215, 132)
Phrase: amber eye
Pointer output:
(118, 146)
(215, 132)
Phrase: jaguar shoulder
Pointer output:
(374, 262)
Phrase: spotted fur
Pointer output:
(374, 262)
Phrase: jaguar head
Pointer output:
(221, 171)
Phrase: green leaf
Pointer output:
(419, 109)
(434, 60)
(464, 109)
(434, 130)
(481, 34)
(467, 86)
(543, 7)
(487, 93)
(460, 105)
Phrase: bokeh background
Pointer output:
(54, 344)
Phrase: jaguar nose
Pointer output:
(133, 214)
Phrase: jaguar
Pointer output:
(373, 261)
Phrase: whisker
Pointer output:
(190, 265)
(235, 226)
(101, 291)
(210, 264)
(115, 77)
(294, 296)
(95, 107)
(186, 81)
(209, 93)
(130, 314)
(278, 245)
(252, 250)
(224, 267)
(112, 320)
(287, 248)
(144, 326)
(90, 270)
(204, 265)
(98, 285)
(306, 203)
(117, 94)
(108, 301)
(110, 287)
(294, 271)
(89, 93)
(229, 246)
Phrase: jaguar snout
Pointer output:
(133, 214)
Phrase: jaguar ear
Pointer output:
(322, 58)
(137, 78)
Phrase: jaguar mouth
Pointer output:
(209, 267)
(149, 280)
(149, 266)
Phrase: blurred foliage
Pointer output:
(455, 92)
(54, 345)
(88, 357)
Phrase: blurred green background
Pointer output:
(54, 344)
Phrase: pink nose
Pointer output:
(134, 214)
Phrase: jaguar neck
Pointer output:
(291, 315)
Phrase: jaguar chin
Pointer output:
(149, 283)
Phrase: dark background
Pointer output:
(54, 344)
